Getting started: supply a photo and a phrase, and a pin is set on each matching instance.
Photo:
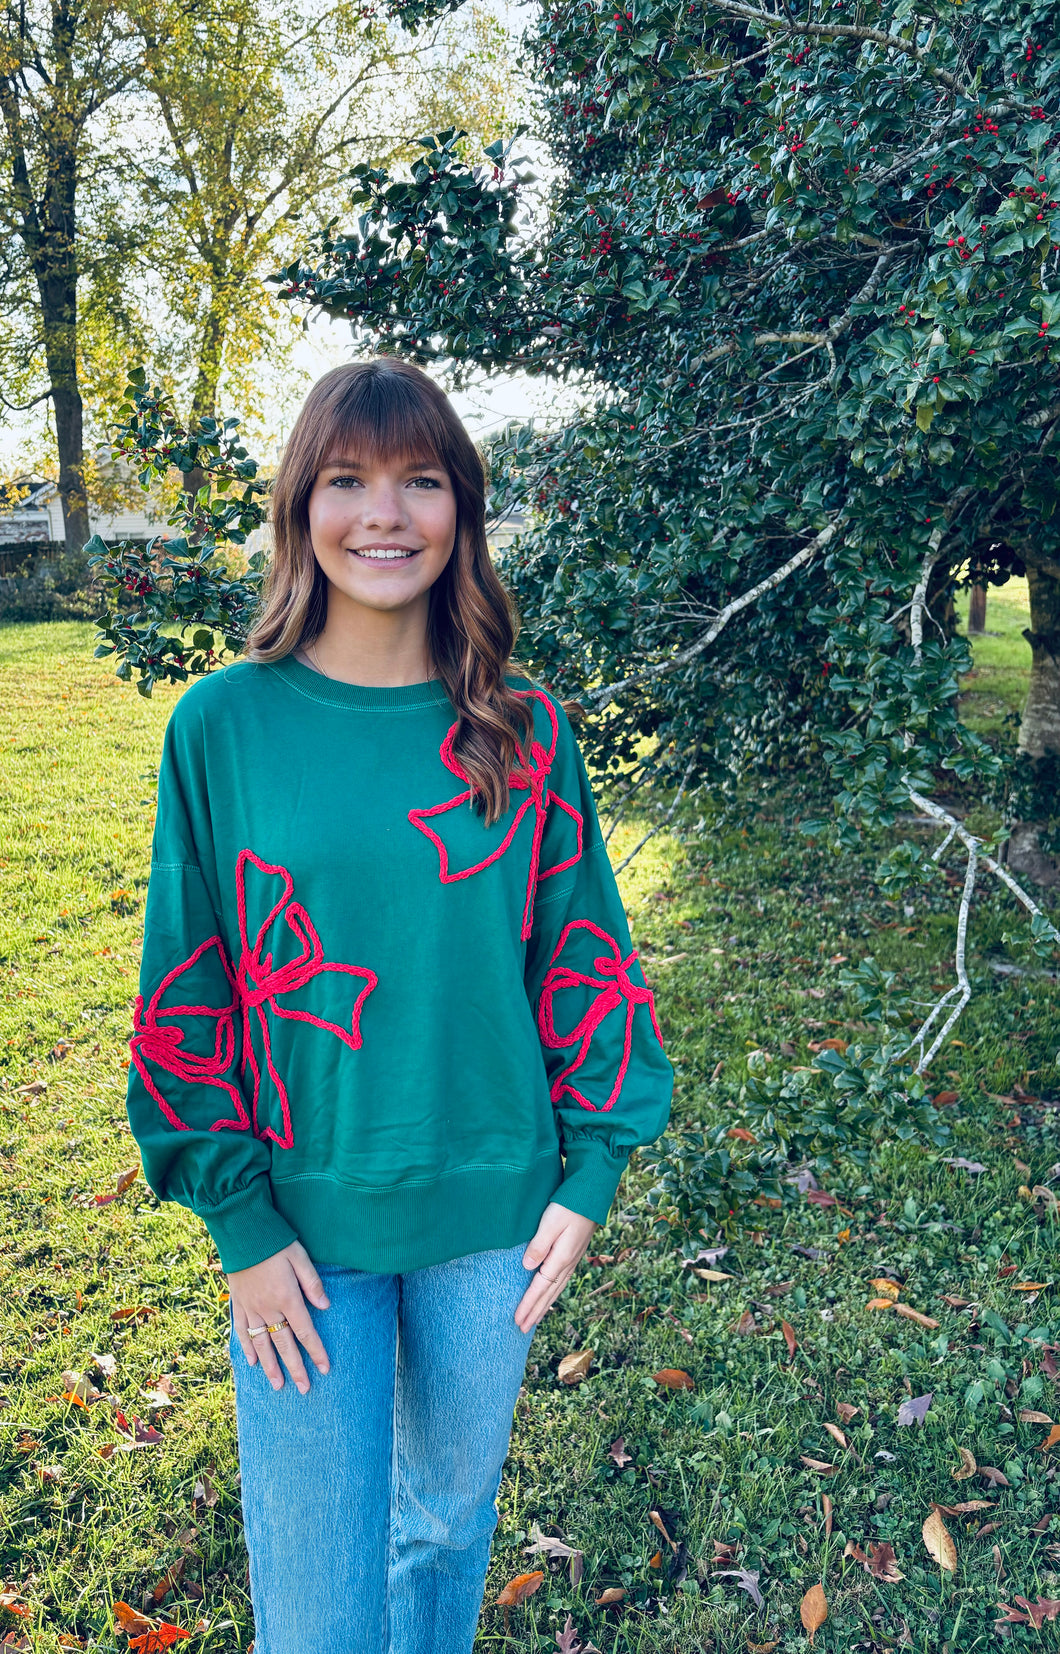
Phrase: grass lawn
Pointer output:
(997, 684)
(740, 930)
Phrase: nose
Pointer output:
(383, 507)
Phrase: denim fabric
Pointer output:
(369, 1504)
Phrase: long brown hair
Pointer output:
(386, 410)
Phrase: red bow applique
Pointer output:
(256, 983)
(531, 779)
(259, 981)
(612, 990)
(160, 1040)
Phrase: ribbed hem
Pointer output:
(413, 1225)
(590, 1178)
(247, 1228)
(358, 697)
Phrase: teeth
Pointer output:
(386, 555)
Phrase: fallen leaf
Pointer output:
(674, 1378)
(885, 1286)
(748, 1581)
(1034, 1613)
(939, 1542)
(741, 1134)
(880, 1303)
(846, 1411)
(658, 1519)
(915, 1409)
(821, 1197)
(1031, 1286)
(789, 1337)
(761, 1648)
(953, 1301)
(826, 1507)
(999, 1566)
(836, 1434)
(545, 1542)
(614, 1593)
(746, 1324)
(883, 1564)
(518, 1589)
(966, 1507)
(1051, 1439)
(568, 1641)
(968, 1465)
(945, 1099)
(813, 1610)
(914, 1315)
(960, 1164)
(656, 1560)
(995, 1477)
(712, 1275)
(573, 1368)
(819, 1465)
(1029, 1416)
(617, 1451)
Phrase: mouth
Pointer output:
(384, 554)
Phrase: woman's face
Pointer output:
(382, 534)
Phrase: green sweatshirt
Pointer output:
(367, 1021)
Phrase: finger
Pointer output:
(539, 1297)
(309, 1281)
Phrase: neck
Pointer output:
(376, 648)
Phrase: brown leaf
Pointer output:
(836, 1434)
(846, 1411)
(964, 1507)
(946, 1099)
(1035, 1613)
(813, 1610)
(614, 1593)
(617, 1451)
(914, 1315)
(883, 1564)
(1029, 1416)
(1051, 1439)
(953, 1301)
(518, 1589)
(995, 1477)
(761, 1648)
(821, 1197)
(1031, 1286)
(999, 1566)
(826, 1506)
(778, 1289)
(674, 1378)
(712, 1275)
(656, 1560)
(574, 1367)
(655, 1517)
(741, 1134)
(885, 1287)
(968, 1465)
(746, 1324)
(939, 1542)
(880, 1303)
(819, 1465)
(789, 1337)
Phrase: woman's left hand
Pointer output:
(556, 1250)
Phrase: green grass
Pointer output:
(739, 931)
(997, 684)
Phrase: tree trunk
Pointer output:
(1039, 735)
(204, 396)
(977, 610)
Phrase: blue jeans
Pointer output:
(369, 1504)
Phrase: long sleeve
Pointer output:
(185, 1102)
(610, 1081)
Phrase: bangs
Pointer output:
(381, 420)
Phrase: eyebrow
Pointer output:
(355, 465)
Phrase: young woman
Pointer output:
(392, 1042)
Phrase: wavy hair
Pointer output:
(387, 410)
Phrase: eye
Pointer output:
(339, 481)
(432, 482)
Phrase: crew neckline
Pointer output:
(358, 696)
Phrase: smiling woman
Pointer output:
(392, 1041)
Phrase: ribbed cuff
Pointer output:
(247, 1228)
(590, 1178)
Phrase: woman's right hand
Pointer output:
(271, 1291)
